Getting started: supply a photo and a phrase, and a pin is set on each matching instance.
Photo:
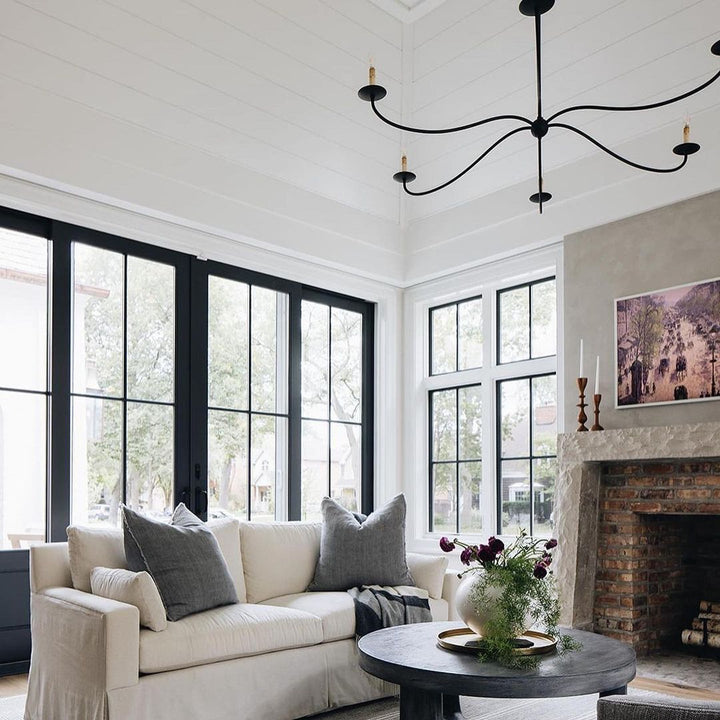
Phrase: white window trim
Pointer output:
(486, 281)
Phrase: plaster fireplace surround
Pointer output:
(621, 494)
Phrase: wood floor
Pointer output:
(17, 685)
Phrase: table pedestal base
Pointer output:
(422, 705)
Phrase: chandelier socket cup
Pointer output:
(372, 92)
(537, 198)
(688, 148)
(715, 49)
(404, 177)
(531, 7)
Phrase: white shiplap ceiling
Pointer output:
(242, 116)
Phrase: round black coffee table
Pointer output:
(431, 678)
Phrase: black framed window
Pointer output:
(456, 484)
(527, 453)
(25, 397)
(248, 398)
(456, 336)
(527, 321)
(336, 409)
(126, 359)
(165, 378)
(492, 426)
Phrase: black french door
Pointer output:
(140, 375)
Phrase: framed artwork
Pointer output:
(668, 345)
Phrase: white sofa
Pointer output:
(280, 653)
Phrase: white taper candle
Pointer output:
(581, 358)
(597, 375)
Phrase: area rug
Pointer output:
(573, 708)
(12, 708)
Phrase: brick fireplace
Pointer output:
(657, 549)
(621, 497)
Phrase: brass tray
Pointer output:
(465, 640)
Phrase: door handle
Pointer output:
(185, 497)
(201, 501)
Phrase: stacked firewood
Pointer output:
(705, 631)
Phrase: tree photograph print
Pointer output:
(668, 345)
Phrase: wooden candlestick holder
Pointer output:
(582, 417)
(596, 401)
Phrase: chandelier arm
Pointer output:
(633, 108)
(612, 153)
(459, 128)
(469, 167)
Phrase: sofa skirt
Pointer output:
(280, 685)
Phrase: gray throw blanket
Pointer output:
(378, 606)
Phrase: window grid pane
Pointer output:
(247, 371)
(527, 321)
(456, 337)
(456, 459)
(123, 385)
(527, 468)
(332, 396)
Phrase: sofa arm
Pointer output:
(622, 707)
(83, 646)
(450, 586)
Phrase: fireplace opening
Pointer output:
(683, 582)
(657, 556)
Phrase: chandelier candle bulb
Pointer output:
(686, 132)
(371, 75)
(403, 163)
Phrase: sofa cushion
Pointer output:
(368, 553)
(91, 547)
(278, 558)
(428, 571)
(227, 533)
(133, 588)
(335, 610)
(227, 632)
(439, 609)
(184, 559)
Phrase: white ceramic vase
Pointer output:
(477, 615)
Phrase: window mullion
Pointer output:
(59, 490)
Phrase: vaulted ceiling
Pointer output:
(241, 117)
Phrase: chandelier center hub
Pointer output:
(539, 128)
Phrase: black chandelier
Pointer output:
(539, 127)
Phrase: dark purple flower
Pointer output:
(540, 571)
(446, 545)
(546, 559)
(466, 556)
(496, 545)
(485, 554)
(550, 544)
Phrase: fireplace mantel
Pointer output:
(580, 457)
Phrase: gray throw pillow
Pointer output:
(355, 553)
(184, 559)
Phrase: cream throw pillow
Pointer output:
(428, 571)
(133, 588)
